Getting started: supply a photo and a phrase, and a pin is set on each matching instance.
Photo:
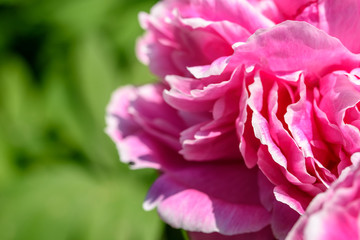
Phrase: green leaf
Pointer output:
(67, 203)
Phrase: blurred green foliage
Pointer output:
(60, 177)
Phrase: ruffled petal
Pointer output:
(341, 20)
(210, 198)
(291, 46)
(264, 234)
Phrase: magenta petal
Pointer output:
(140, 151)
(341, 94)
(131, 109)
(229, 31)
(195, 200)
(216, 140)
(264, 234)
(341, 20)
(193, 95)
(119, 121)
(274, 138)
(291, 8)
(215, 68)
(144, 138)
(335, 213)
(292, 197)
(291, 46)
(249, 144)
(328, 224)
(240, 12)
(283, 219)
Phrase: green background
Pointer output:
(60, 175)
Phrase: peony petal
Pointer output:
(283, 219)
(325, 226)
(240, 12)
(215, 140)
(341, 94)
(140, 151)
(333, 214)
(144, 138)
(229, 31)
(228, 203)
(215, 68)
(271, 134)
(194, 95)
(119, 121)
(295, 158)
(341, 21)
(266, 192)
(263, 234)
(291, 46)
(291, 8)
(292, 197)
(249, 144)
(269, 9)
(164, 123)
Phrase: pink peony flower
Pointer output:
(256, 111)
(335, 213)
(207, 196)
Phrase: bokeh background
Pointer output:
(60, 174)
